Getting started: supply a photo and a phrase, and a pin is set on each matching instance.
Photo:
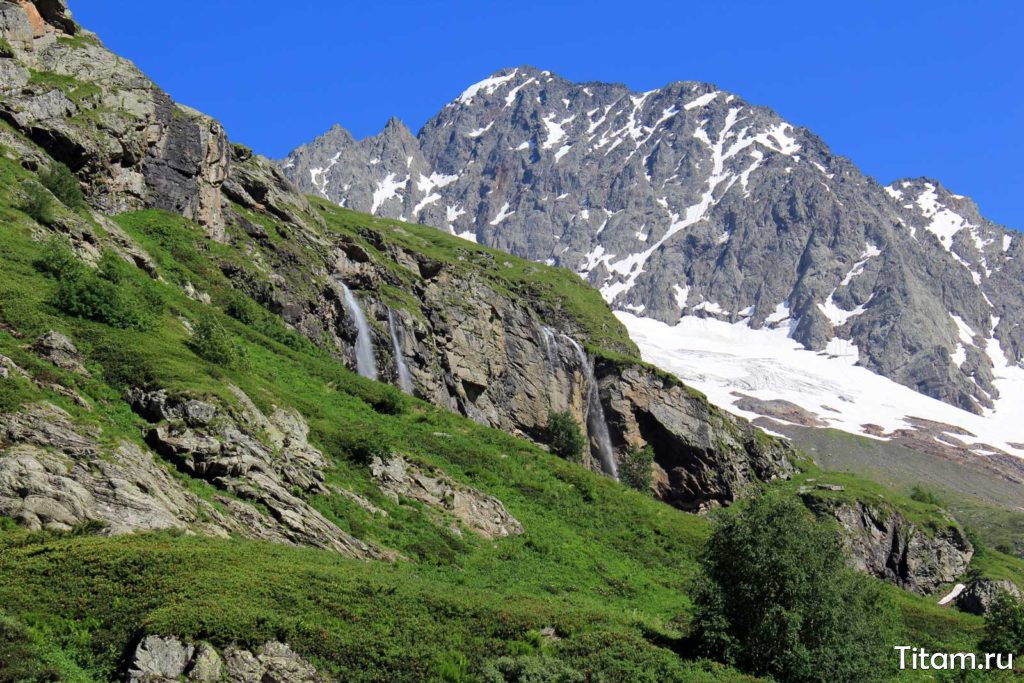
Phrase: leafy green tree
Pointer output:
(635, 468)
(775, 598)
(38, 203)
(1004, 625)
(565, 437)
(212, 342)
(59, 180)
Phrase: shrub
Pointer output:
(635, 468)
(38, 203)
(13, 394)
(85, 294)
(57, 258)
(123, 365)
(530, 669)
(59, 180)
(212, 342)
(923, 495)
(1004, 625)
(565, 437)
(775, 598)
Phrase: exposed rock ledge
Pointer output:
(160, 659)
(884, 543)
(484, 514)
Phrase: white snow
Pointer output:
(967, 335)
(487, 86)
(945, 223)
(960, 355)
(434, 180)
(595, 257)
(720, 358)
(511, 97)
(1007, 241)
(555, 131)
(453, 212)
(836, 315)
(386, 189)
(893, 192)
(780, 313)
(700, 101)
(468, 235)
(711, 307)
(952, 595)
(429, 199)
(503, 213)
(682, 294)
(523, 145)
(479, 131)
(318, 176)
(562, 151)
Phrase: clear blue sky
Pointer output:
(904, 87)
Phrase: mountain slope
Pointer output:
(687, 201)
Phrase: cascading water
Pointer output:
(404, 378)
(366, 364)
(596, 424)
(549, 343)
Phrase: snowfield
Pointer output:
(720, 358)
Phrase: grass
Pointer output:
(607, 567)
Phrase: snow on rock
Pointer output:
(487, 86)
(503, 213)
(720, 358)
(953, 594)
(700, 101)
(945, 223)
(386, 189)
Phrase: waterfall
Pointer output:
(549, 343)
(596, 424)
(366, 365)
(404, 378)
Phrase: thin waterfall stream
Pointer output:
(597, 426)
(366, 363)
(404, 378)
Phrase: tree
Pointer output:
(635, 468)
(214, 343)
(59, 180)
(775, 598)
(38, 203)
(1004, 625)
(565, 436)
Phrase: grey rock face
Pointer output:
(130, 144)
(508, 363)
(484, 514)
(160, 659)
(883, 543)
(978, 596)
(61, 351)
(687, 200)
(254, 457)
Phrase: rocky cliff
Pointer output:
(487, 335)
(688, 201)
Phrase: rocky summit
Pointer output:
(688, 201)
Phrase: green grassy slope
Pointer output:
(606, 567)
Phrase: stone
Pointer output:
(158, 659)
(881, 542)
(978, 596)
(61, 351)
(484, 514)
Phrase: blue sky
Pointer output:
(911, 88)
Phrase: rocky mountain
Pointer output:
(688, 202)
(249, 435)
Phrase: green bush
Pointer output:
(59, 180)
(13, 394)
(85, 294)
(212, 342)
(57, 258)
(565, 437)
(530, 669)
(38, 203)
(926, 496)
(635, 468)
(1004, 625)
(775, 598)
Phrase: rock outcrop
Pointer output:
(159, 659)
(255, 458)
(882, 542)
(483, 514)
(88, 108)
(977, 597)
